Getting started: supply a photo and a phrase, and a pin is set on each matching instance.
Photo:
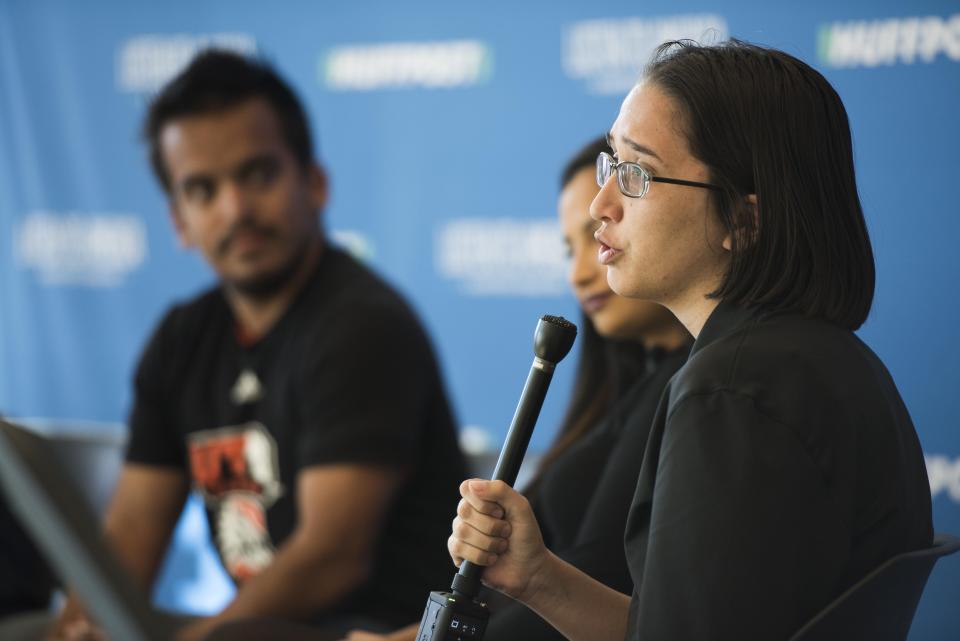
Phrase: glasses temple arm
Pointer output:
(688, 183)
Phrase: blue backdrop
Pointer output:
(444, 127)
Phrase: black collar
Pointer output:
(723, 321)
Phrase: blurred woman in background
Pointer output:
(581, 493)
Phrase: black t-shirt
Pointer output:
(782, 468)
(346, 375)
(583, 498)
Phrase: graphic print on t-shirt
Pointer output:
(247, 389)
(236, 471)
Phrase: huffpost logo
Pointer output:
(876, 43)
(407, 65)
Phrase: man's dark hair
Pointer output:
(586, 157)
(216, 80)
(766, 123)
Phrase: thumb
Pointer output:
(497, 492)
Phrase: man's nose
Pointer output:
(234, 201)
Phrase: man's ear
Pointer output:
(746, 225)
(179, 227)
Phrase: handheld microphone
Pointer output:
(458, 615)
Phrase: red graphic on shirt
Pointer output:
(219, 465)
(242, 537)
(235, 459)
(236, 470)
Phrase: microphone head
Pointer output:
(554, 338)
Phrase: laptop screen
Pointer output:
(56, 515)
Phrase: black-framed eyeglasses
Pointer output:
(634, 180)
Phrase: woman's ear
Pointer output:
(747, 224)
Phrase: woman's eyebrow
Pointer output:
(633, 145)
(642, 149)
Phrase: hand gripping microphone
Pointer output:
(458, 615)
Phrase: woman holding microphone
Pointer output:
(782, 464)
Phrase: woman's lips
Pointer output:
(606, 254)
(596, 302)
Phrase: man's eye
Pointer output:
(198, 192)
(260, 175)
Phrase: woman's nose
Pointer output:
(606, 204)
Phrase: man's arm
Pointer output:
(140, 519)
(340, 510)
(142, 515)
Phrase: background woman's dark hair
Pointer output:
(583, 159)
(766, 123)
(605, 367)
(216, 80)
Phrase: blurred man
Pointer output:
(300, 396)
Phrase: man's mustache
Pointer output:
(245, 226)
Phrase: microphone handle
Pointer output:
(466, 582)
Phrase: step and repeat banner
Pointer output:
(443, 127)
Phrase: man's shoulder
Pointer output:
(189, 315)
(349, 293)
(343, 275)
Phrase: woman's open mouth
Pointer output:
(607, 252)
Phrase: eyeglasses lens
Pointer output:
(633, 180)
(604, 168)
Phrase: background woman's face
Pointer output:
(668, 245)
(614, 316)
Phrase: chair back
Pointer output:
(880, 607)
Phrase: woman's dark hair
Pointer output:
(766, 123)
(605, 367)
(214, 81)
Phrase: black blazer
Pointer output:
(782, 467)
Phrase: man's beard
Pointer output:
(265, 285)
